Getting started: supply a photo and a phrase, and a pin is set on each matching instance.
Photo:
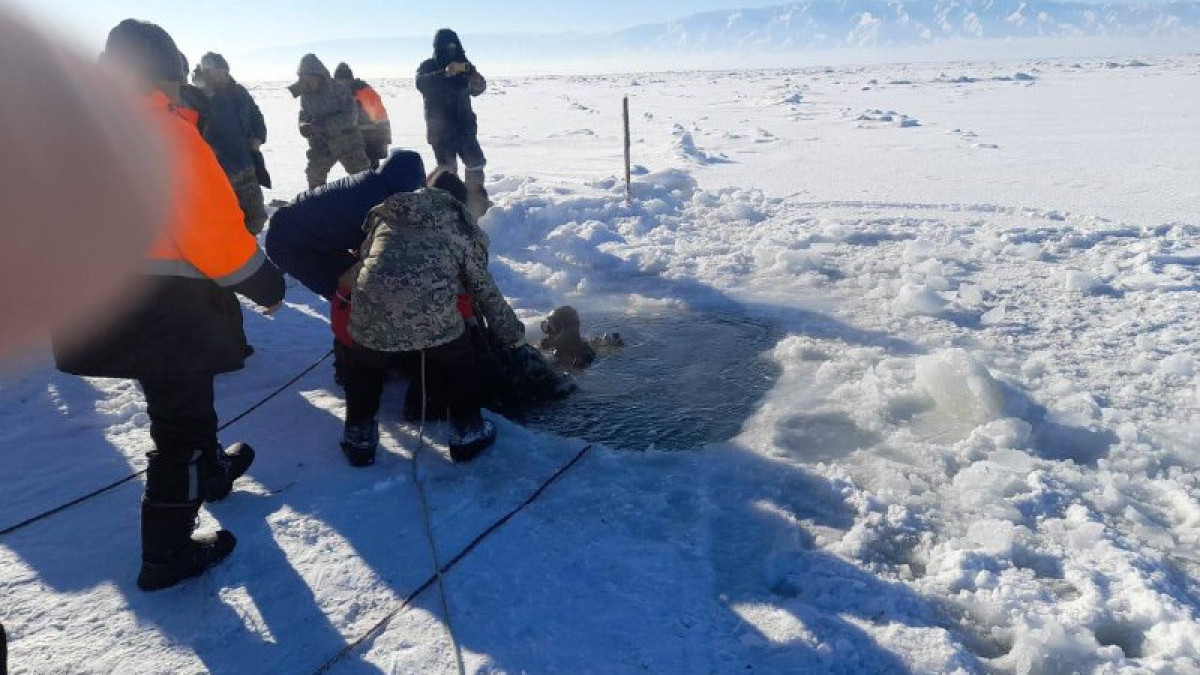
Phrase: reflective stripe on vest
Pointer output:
(182, 268)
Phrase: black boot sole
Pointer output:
(461, 454)
(192, 562)
(358, 457)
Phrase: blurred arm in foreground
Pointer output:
(83, 187)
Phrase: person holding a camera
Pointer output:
(447, 82)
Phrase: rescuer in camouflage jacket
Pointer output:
(423, 250)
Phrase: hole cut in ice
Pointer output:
(682, 380)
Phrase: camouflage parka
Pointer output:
(333, 106)
(422, 250)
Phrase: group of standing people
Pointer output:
(345, 122)
(399, 255)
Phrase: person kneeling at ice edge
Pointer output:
(420, 255)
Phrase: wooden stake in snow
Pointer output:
(628, 188)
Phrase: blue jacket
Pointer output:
(316, 238)
(235, 119)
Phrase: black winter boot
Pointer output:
(470, 437)
(169, 552)
(199, 554)
(218, 469)
(359, 442)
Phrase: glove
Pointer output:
(311, 129)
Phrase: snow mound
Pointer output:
(685, 148)
(920, 299)
(918, 249)
(961, 387)
(875, 117)
(667, 181)
(1079, 282)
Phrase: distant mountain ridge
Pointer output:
(812, 27)
(895, 23)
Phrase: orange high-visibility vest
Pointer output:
(205, 236)
(369, 99)
(189, 114)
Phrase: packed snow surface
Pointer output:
(977, 448)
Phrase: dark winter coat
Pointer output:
(194, 98)
(235, 120)
(181, 327)
(187, 321)
(332, 107)
(448, 112)
(312, 238)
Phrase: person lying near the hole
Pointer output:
(564, 341)
(316, 238)
(423, 250)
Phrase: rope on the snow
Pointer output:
(378, 628)
(287, 385)
(437, 561)
(96, 493)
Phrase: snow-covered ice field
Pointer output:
(981, 451)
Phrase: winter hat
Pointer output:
(145, 49)
(311, 65)
(343, 72)
(213, 61)
(444, 37)
(441, 40)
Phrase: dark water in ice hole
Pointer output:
(682, 380)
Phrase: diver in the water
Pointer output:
(564, 341)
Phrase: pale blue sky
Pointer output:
(243, 25)
(266, 37)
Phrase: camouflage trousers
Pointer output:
(323, 152)
(250, 199)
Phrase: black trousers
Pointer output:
(450, 375)
(183, 425)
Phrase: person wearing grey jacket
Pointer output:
(329, 120)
